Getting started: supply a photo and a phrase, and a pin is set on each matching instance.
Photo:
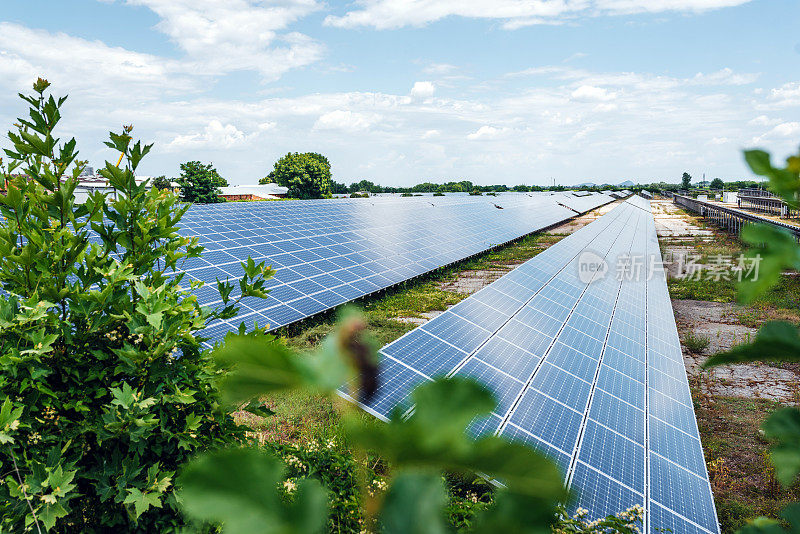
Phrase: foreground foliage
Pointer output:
(408, 493)
(104, 389)
(775, 340)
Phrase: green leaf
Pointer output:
(758, 161)
(434, 437)
(142, 501)
(9, 420)
(783, 426)
(776, 251)
(764, 525)
(257, 408)
(263, 365)
(239, 488)
(50, 513)
(415, 504)
(775, 340)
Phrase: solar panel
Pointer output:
(327, 252)
(587, 368)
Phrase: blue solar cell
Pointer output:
(674, 413)
(677, 446)
(614, 455)
(514, 433)
(458, 331)
(663, 520)
(547, 419)
(510, 358)
(562, 386)
(620, 385)
(617, 415)
(601, 495)
(504, 387)
(682, 491)
(422, 351)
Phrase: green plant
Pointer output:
(105, 390)
(200, 183)
(777, 250)
(307, 175)
(695, 343)
(161, 182)
(246, 489)
(475, 193)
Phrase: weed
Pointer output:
(695, 343)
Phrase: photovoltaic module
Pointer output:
(327, 252)
(586, 364)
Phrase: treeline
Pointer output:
(463, 186)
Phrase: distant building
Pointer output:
(253, 192)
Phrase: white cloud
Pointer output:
(345, 120)
(387, 14)
(763, 120)
(423, 90)
(215, 135)
(238, 34)
(429, 134)
(725, 76)
(589, 93)
(786, 129)
(785, 96)
(486, 132)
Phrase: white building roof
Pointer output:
(259, 190)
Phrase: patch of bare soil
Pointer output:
(718, 323)
(468, 282)
(672, 222)
(426, 316)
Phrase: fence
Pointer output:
(730, 219)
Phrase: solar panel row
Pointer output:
(328, 252)
(586, 366)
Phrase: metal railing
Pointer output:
(731, 219)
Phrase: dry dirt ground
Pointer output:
(718, 322)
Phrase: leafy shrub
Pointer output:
(161, 182)
(200, 183)
(359, 195)
(105, 390)
(475, 193)
(307, 175)
(438, 194)
(406, 195)
(696, 343)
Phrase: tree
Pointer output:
(307, 175)
(717, 183)
(200, 183)
(338, 188)
(161, 182)
(686, 181)
(105, 388)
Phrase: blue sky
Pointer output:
(403, 91)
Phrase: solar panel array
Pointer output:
(327, 252)
(587, 368)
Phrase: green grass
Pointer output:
(741, 474)
(696, 343)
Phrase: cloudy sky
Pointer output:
(401, 91)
